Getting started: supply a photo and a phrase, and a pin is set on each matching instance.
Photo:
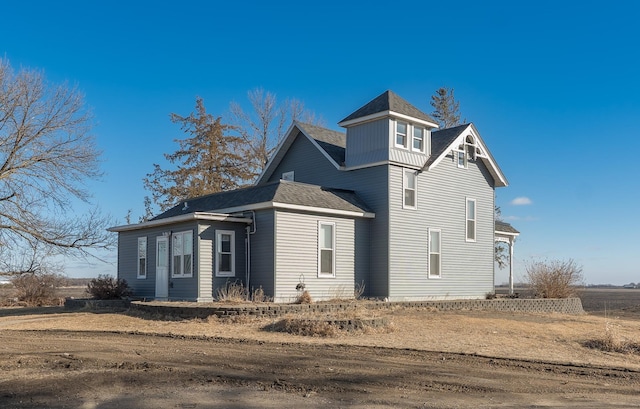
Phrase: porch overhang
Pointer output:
(223, 217)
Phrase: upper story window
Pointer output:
(182, 254)
(461, 158)
(410, 189)
(142, 257)
(401, 134)
(471, 220)
(225, 253)
(418, 138)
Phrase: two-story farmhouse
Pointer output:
(393, 203)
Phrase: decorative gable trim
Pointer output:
(485, 156)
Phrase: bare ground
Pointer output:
(50, 358)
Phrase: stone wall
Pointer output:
(200, 310)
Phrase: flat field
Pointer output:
(52, 358)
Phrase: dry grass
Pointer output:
(612, 341)
(304, 298)
(232, 292)
(313, 328)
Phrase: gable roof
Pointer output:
(280, 194)
(332, 142)
(447, 139)
(387, 103)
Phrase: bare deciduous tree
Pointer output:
(555, 278)
(265, 124)
(209, 161)
(46, 156)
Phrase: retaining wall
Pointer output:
(90, 304)
(198, 310)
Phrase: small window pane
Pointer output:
(471, 229)
(326, 236)
(326, 261)
(142, 266)
(418, 138)
(435, 265)
(177, 264)
(188, 243)
(225, 243)
(411, 179)
(435, 242)
(401, 127)
(471, 209)
(409, 197)
(224, 262)
(177, 244)
(187, 264)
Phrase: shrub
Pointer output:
(37, 289)
(304, 298)
(555, 278)
(358, 290)
(232, 292)
(106, 287)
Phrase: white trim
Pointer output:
(405, 172)
(143, 275)
(333, 249)
(313, 209)
(181, 218)
(219, 234)
(413, 138)
(387, 113)
(404, 146)
(429, 275)
(500, 179)
(467, 219)
(457, 153)
(182, 274)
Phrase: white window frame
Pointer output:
(473, 219)
(413, 138)
(219, 252)
(185, 237)
(321, 248)
(459, 154)
(288, 176)
(430, 273)
(405, 187)
(405, 134)
(142, 244)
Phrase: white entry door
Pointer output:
(162, 267)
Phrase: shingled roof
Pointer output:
(389, 101)
(332, 142)
(280, 192)
(441, 140)
(505, 227)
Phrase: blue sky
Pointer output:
(552, 87)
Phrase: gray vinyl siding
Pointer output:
(179, 288)
(297, 257)
(467, 267)
(371, 184)
(367, 143)
(209, 283)
(205, 263)
(262, 252)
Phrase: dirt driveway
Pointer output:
(429, 360)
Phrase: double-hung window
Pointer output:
(418, 139)
(410, 191)
(225, 253)
(461, 158)
(142, 257)
(182, 254)
(435, 254)
(401, 134)
(326, 249)
(471, 219)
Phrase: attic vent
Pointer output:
(185, 207)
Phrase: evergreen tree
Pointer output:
(208, 161)
(446, 110)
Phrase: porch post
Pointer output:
(511, 243)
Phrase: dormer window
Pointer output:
(418, 139)
(401, 134)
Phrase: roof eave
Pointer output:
(180, 219)
(384, 114)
